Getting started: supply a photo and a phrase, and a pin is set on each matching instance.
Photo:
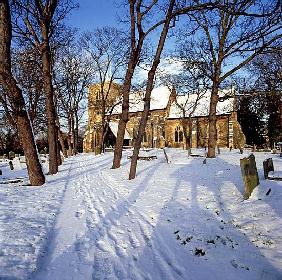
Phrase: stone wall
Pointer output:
(160, 131)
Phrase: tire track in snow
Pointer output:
(105, 232)
(70, 255)
(109, 232)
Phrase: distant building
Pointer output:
(164, 127)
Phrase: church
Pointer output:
(164, 128)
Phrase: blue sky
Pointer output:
(94, 13)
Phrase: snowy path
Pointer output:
(184, 220)
(98, 230)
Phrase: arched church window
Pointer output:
(145, 137)
(178, 135)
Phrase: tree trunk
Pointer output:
(212, 121)
(124, 115)
(76, 133)
(70, 148)
(71, 134)
(59, 159)
(143, 122)
(189, 138)
(61, 140)
(149, 88)
(50, 107)
(132, 63)
(15, 96)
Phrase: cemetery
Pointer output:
(140, 140)
(178, 208)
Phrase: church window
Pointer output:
(145, 137)
(178, 135)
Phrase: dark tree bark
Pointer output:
(135, 51)
(138, 13)
(125, 110)
(230, 34)
(35, 23)
(50, 107)
(15, 96)
(149, 88)
(212, 122)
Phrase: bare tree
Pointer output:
(228, 38)
(36, 23)
(149, 88)
(74, 74)
(15, 96)
(259, 101)
(142, 23)
(108, 49)
(27, 69)
(139, 14)
(190, 86)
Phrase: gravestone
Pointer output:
(267, 167)
(11, 165)
(17, 164)
(11, 155)
(249, 174)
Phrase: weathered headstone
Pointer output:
(11, 165)
(17, 164)
(11, 155)
(249, 174)
(267, 167)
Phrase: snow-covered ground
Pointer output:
(183, 220)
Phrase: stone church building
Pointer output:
(164, 126)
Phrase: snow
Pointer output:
(114, 128)
(159, 99)
(202, 108)
(183, 220)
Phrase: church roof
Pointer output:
(160, 97)
(224, 106)
(114, 128)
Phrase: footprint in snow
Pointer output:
(103, 246)
(79, 213)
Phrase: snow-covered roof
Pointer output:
(202, 108)
(159, 99)
(114, 128)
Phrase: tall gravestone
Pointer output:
(249, 174)
(11, 155)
